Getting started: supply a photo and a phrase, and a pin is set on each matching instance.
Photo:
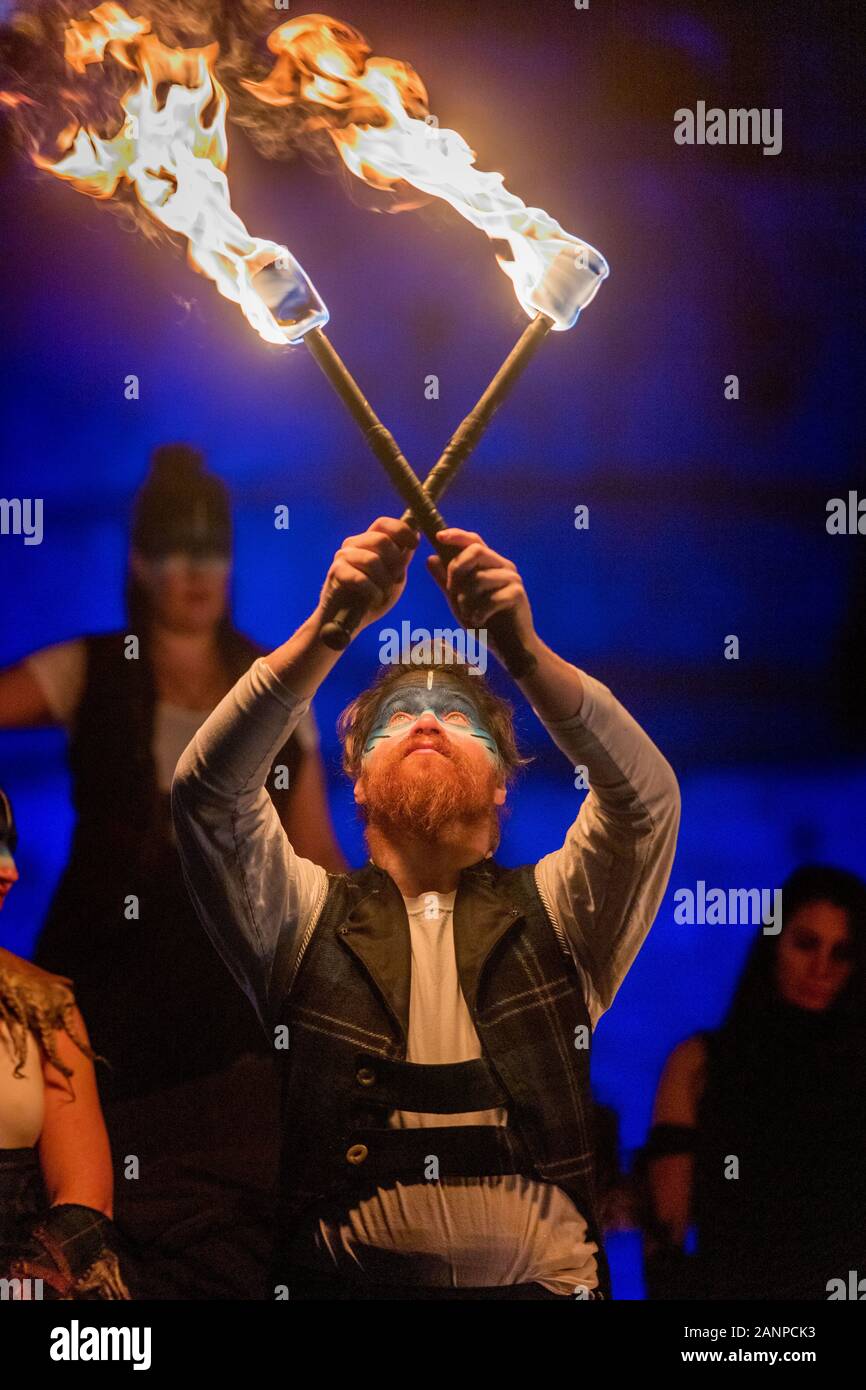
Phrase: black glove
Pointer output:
(72, 1249)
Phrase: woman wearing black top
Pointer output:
(189, 1095)
(759, 1127)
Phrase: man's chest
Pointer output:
(440, 1025)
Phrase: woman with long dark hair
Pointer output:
(57, 1239)
(758, 1140)
(188, 1062)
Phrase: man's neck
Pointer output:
(423, 866)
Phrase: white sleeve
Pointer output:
(254, 895)
(307, 732)
(60, 672)
(606, 883)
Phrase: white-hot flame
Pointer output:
(373, 110)
(174, 155)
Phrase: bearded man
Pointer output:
(432, 1011)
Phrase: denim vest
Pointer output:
(347, 1013)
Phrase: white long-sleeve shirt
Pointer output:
(602, 888)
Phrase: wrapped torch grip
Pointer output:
(337, 634)
(518, 661)
(468, 433)
(337, 631)
(421, 512)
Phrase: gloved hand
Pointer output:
(72, 1250)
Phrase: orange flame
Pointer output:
(374, 109)
(13, 99)
(174, 156)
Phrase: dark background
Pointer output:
(707, 516)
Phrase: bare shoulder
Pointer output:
(31, 974)
(45, 1004)
(682, 1083)
(43, 999)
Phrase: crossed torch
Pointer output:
(172, 150)
(282, 287)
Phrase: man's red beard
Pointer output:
(405, 797)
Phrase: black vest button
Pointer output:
(357, 1153)
(365, 1075)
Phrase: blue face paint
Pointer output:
(456, 711)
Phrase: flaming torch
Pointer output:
(374, 110)
(173, 153)
(173, 156)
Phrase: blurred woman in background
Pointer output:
(56, 1183)
(189, 1068)
(759, 1128)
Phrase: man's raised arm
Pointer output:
(605, 885)
(256, 897)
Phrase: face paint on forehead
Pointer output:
(450, 703)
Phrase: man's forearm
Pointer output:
(304, 661)
(553, 688)
(605, 884)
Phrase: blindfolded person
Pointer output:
(121, 923)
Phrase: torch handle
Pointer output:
(425, 516)
(337, 632)
(469, 431)
(380, 440)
